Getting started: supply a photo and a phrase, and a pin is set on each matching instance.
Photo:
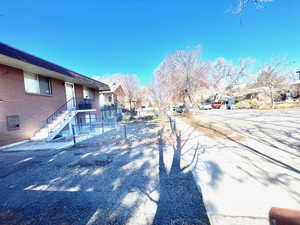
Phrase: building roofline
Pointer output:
(20, 55)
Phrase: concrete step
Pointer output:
(51, 130)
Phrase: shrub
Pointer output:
(150, 117)
(131, 118)
(254, 104)
(242, 105)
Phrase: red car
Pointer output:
(216, 105)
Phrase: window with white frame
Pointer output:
(88, 93)
(37, 84)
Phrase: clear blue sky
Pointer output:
(98, 37)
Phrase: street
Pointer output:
(242, 178)
(277, 130)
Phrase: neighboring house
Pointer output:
(295, 88)
(115, 96)
(112, 102)
(39, 99)
(262, 94)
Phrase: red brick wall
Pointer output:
(33, 110)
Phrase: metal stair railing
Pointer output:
(70, 103)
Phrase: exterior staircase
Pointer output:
(57, 122)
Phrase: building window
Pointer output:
(88, 93)
(110, 99)
(37, 84)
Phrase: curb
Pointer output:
(13, 144)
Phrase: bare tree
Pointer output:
(291, 72)
(271, 77)
(161, 90)
(179, 76)
(130, 85)
(223, 75)
(242, 5)
(144, 97)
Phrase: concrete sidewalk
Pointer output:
(240, 180)
(57, 145)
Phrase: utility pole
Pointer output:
(298, 74)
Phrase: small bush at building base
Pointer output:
(147, 118)
(131, 118)
(150, 117)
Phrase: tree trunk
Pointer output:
(130, 107)
(271, 96)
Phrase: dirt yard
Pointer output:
(105, 180)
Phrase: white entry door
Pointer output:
(70, 94)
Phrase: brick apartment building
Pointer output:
(35, 94)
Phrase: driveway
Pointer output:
(251, 163)
(105, 180)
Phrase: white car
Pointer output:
(205, 107)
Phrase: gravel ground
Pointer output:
(104, 180)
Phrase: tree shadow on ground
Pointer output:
(257, 152)
(270, 159)
(180, 202)
(258, 162)
(58, 187)
(268, 136)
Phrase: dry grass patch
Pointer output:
(287, 105)
(211, 130)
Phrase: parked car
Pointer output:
(178, 109)
(205, 107)
(216, 105)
